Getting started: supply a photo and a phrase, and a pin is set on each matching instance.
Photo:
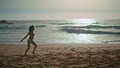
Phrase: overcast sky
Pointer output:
(59, 9)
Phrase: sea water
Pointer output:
(77, 31)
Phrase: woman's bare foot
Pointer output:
(25, 54)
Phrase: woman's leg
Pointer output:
(34, 47)
(28, 44)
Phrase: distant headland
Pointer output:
(4, 22)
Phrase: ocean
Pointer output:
(76, 31)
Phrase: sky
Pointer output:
(59, 9)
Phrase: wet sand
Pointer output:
(61, 56)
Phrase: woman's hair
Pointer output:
(31, 28)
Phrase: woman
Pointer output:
(30, 40)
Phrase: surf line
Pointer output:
(111, 41)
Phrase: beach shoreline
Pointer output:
(61, 56)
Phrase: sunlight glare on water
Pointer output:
(84, 38)
(83, 21)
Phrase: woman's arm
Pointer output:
(25, 36)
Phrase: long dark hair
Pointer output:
(31, 28)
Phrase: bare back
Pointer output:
(31, 35)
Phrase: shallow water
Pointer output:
(62, 31)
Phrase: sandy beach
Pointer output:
(61, 56)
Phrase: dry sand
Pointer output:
(61, 56)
